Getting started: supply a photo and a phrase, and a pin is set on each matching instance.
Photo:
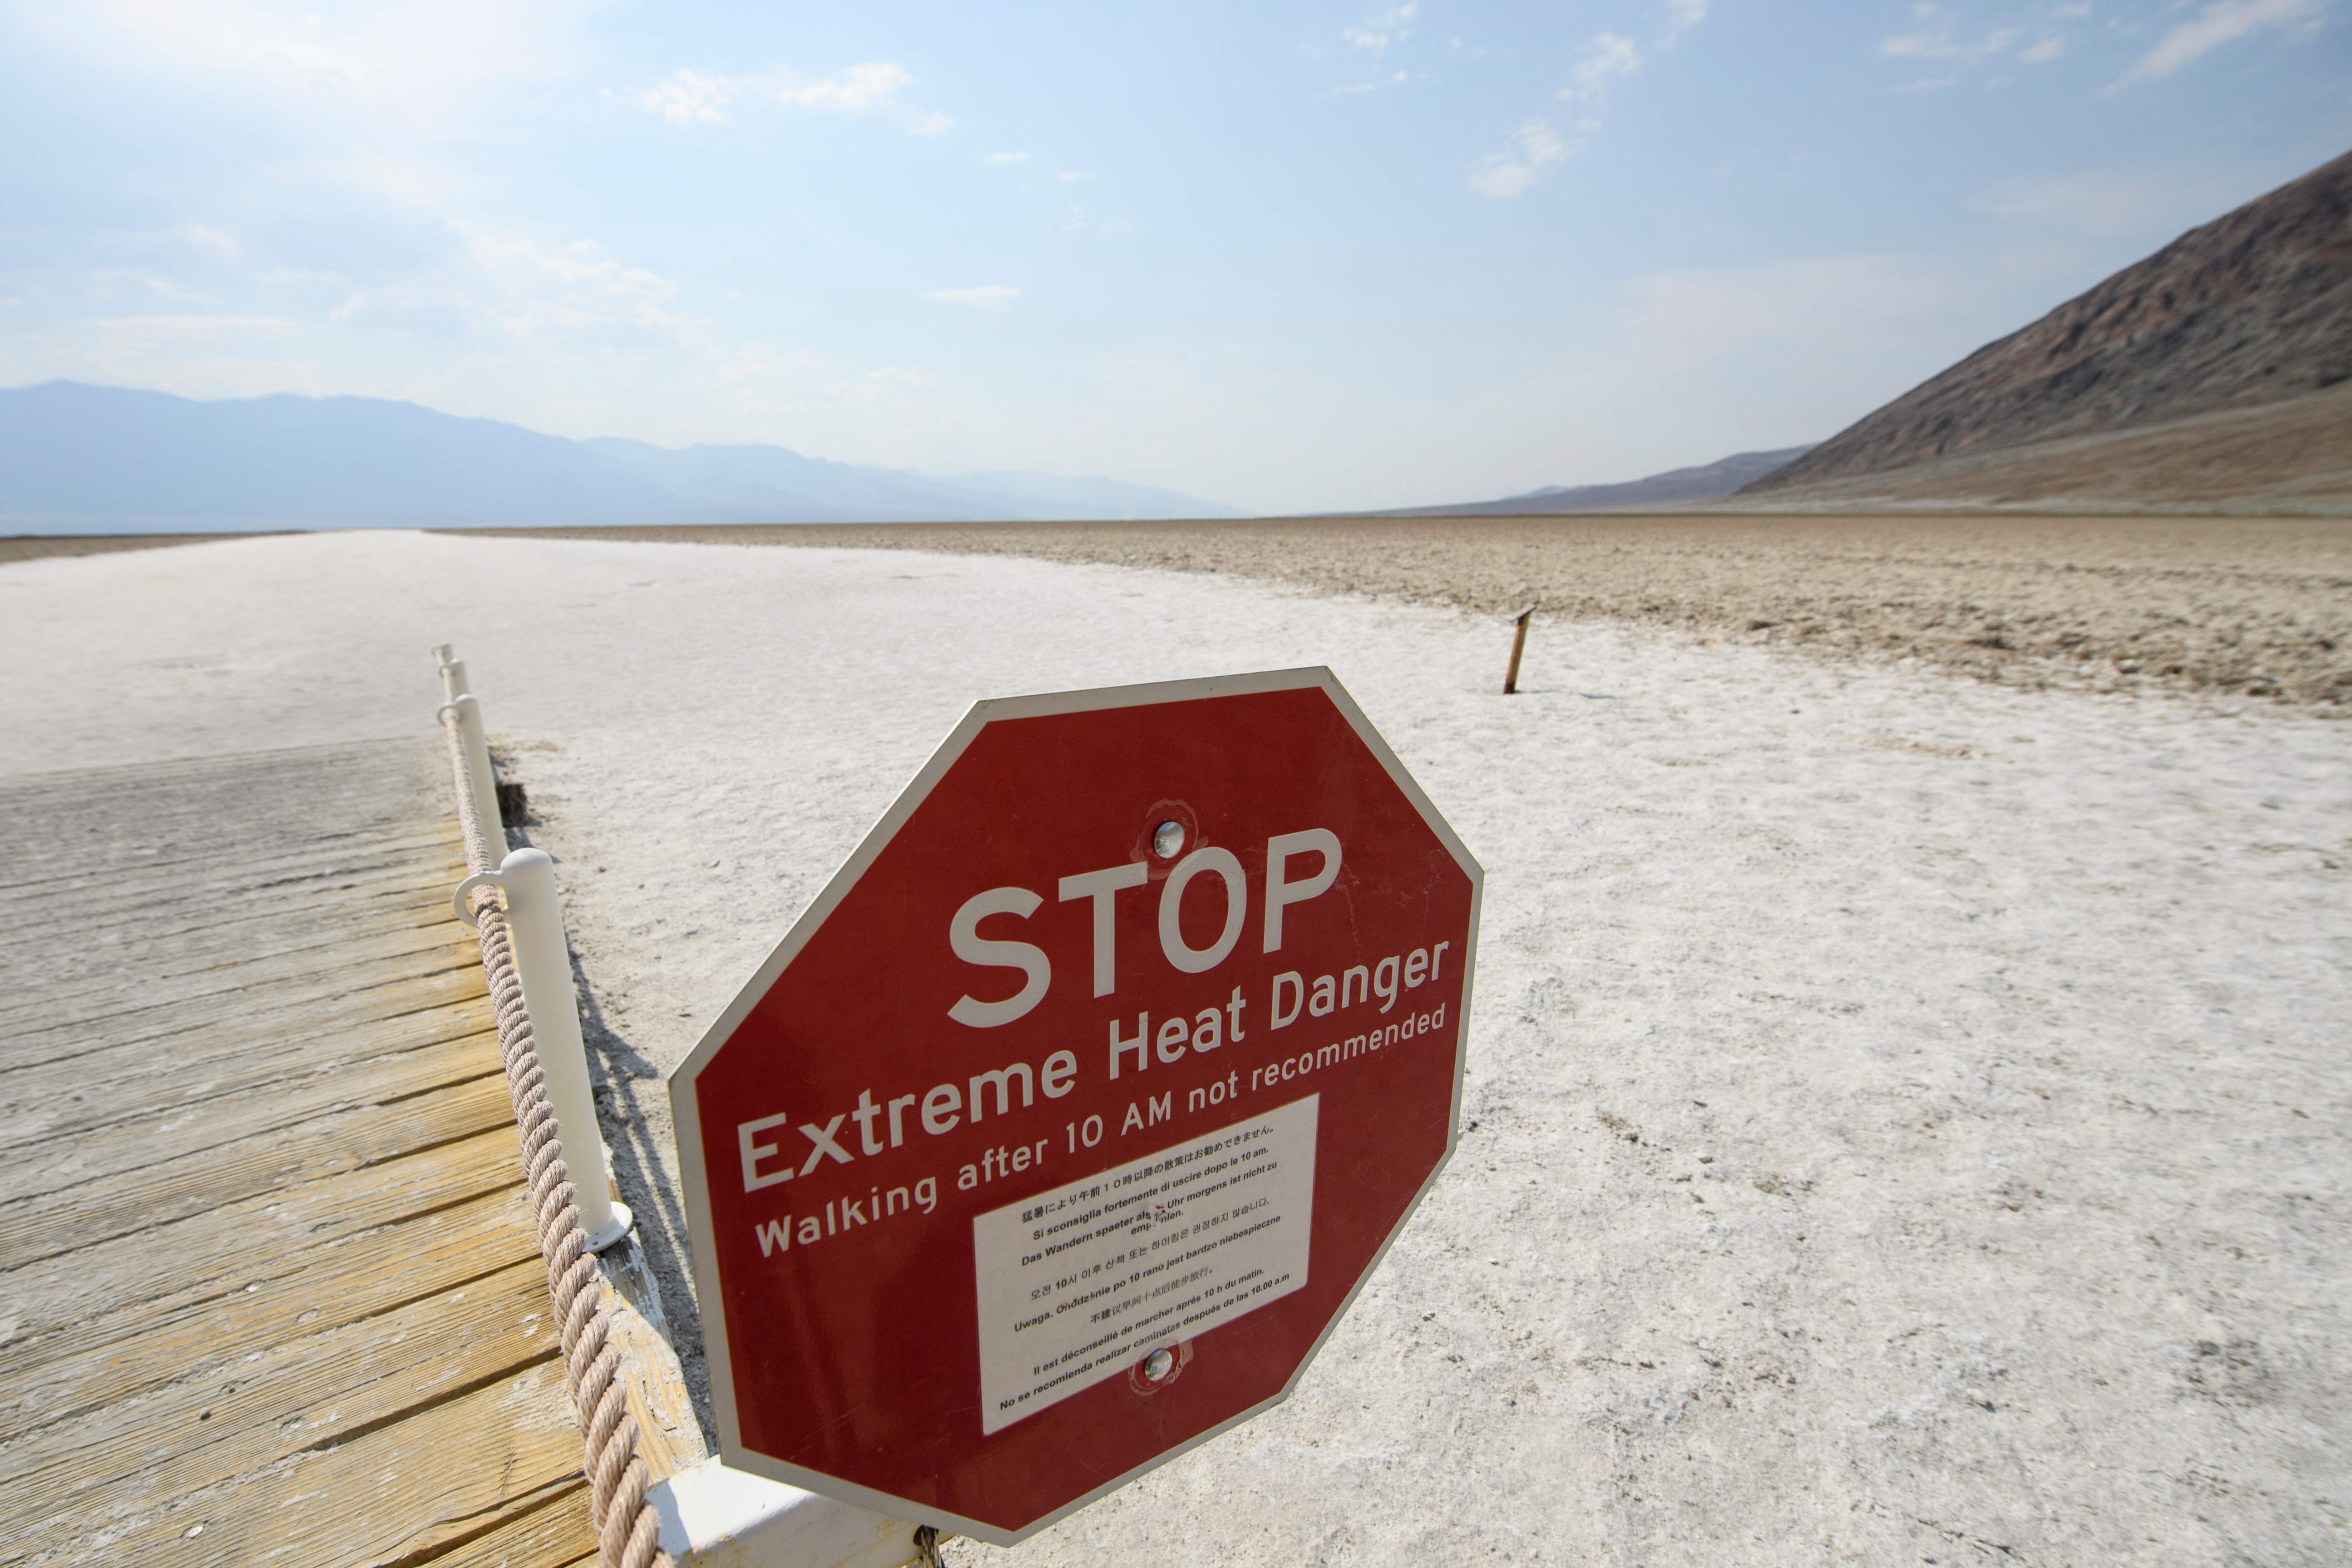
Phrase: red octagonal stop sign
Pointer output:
(1065, 1123)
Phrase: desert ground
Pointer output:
(2256, 605)
(1909, 1102)
(41, 547)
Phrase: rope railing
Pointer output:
(627, 1529)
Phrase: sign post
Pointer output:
(1065, 1123)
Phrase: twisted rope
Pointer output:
(627, 1529)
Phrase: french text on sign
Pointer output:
(1078, 1283)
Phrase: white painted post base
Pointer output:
(712, 1517)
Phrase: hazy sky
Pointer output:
(1291, 257)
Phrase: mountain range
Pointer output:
(2214, 375)
(2207, 377)
(1708, 481)
(75, 458)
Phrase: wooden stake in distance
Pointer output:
(1519, 646)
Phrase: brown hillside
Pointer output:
(2254, 307)
(2279, 458)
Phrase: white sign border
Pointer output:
(685, 1114)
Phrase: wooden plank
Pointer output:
(71, 1099)
(221, 1027)
(133, 1457)
(219, 849)
(30, 1039)
(557, 1534)
(96, 961)
(98, 900)
(126, 816)
(142, 820)
(79, 1217)
(298, 975)
(301, 969)
(227, 868)
(301, 1292)
(669, 1437)
(104, 912)
(269, 1290)
(391, 1496)
(227, 772)
(277, 1101)
(146, 899)
(224, 852)
(87, 1292)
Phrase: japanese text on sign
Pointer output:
(1079, 1282)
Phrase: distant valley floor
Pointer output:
(2256, 607)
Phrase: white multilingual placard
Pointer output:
(1079, 1283)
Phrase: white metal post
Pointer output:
(469, 710)
(543, 965)
(712, 1517)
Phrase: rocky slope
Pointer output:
(2254, 308)
(2292, 457)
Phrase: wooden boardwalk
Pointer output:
(269, 1292)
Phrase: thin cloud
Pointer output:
(1610, 56)
(853, 89)
(420, 66)
(892, 377)
(1534, 147)
(1607, 58)
(1682, 16)
(1007, 158)
(985, 297)
(2221, 22)
(1935, 39)
(687, 98)
(218, 241)
(1377, 32)
(1937, 42)
(1372, 37)
(195, 326)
